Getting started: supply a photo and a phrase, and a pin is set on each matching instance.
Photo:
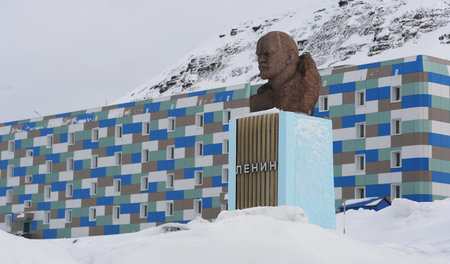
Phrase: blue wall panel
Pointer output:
(174, 195)
(156, 217)
(108, 200)
(378, 190)
(107, 123)
(131, 208)
(439, 140)
(441, 177)
(152, 107)
(223, 96)
(166, 165)
(158, 134)
(49, 233)
(111, 229)
(344, 181)
(184, 142)
(132, 128)
(212, 149)
(98, 172)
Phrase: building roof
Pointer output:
(367, 202)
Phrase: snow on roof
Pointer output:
(370, 201)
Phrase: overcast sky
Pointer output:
(60, 56)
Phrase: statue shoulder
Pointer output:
(264, 88)
(306, 63)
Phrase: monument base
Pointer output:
(301, 175)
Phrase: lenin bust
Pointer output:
(294, 80)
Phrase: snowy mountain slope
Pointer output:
(355, 33)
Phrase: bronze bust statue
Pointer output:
(294, 80)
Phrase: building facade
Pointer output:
(391, 129)
(126, 167)
(118, 169)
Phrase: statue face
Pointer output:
(272, 60)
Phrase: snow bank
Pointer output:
(19, 250)
(282, 213)
(256, 235)
(407, 232)
(412, 226)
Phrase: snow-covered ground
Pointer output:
(407, 232)
(412, 227)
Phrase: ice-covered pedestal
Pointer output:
(303, 153)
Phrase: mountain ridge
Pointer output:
(357, 32)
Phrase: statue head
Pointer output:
(277, 55)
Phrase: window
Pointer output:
(145, 128)
(49, 141)
(360, 161)
(171, 125)
(11, 146)
(47, 192)
(170, 152)
(146, 155)
(144, 183)
(199, 148)
(29, 153)
(28, 178)
(46, 220)
(118, 158)
(69, 164)
(116, 213)
(94, 161)
(9, 196)
(169, 180)
(28, 203)
(198, 206)
(95, 135)
(144, 211)
(396, 125)
(117, 185)
(119, 131)
(323, 103)
(396, 94)
(224, 175)
(396, 191)
(92, 214)
(94, 188)
(199, 120)
(8, 220)
(69, 190)
(71, 138)
(360, 192)
(396, 159)
(360, 98)
(169, 208)
(198, 177)
(360, 130)
(223, 207)
(226, 116)
(225, 146)
(10, 171)
(48, 166)
(68, 215)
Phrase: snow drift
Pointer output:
(407, 232)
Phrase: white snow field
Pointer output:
(407, 232)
